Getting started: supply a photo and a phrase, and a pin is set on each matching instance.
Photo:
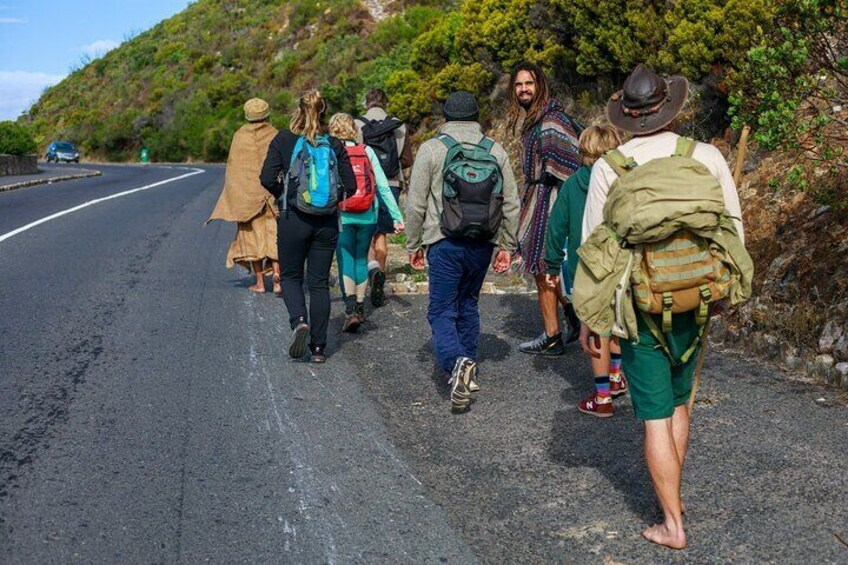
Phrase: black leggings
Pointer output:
(303, 238)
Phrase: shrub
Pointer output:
(16, 139)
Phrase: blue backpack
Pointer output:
(314, 174)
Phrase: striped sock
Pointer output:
(615, 366)
(602, 386)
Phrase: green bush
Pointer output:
(16, 139)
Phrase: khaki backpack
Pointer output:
(648, 208)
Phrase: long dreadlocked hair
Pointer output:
(540, 100)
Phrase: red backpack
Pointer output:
(366, 185)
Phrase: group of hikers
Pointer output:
(639, 242)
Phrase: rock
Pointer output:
(840, 348)
(841, 375)
(822, 366)
(793, 363)
(401, 277)
(830, 335)
(767, 345)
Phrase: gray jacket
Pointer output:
(424, 199)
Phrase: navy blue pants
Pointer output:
(457, 270)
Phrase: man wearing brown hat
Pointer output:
(246, 202)
(660, 385)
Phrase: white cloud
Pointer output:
(98, 48)
(12, 21)
(19, 89)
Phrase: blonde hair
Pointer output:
(343, 127)
(597, 140)
(308, 117)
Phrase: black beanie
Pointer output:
(461, 106)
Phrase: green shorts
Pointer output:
(657, 386)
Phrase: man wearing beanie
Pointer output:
(457, 264)
(245, 201)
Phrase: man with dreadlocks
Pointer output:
(549, 137)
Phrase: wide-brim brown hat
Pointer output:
(256, 110)
(648, 102)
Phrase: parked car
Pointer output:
(62, 151)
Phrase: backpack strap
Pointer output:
(449, 142)
(619, 163)
(663, 342)
(685, 147)
(487, 144)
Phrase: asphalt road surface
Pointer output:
(148, 414)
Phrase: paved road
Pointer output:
(148, 414)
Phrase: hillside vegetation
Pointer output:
(178, 87)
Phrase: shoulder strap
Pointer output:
(685, 147)
(619, 163)
(487, 144)
(449, 142)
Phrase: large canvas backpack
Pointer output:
(472, 190)
(314, 174)
(379, 135)
(366, 184)
(678, 272)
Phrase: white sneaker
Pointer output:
(460, 381)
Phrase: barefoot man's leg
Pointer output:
(260, 279)
(665, 470)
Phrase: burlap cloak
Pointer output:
(243, 196)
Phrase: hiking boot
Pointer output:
(573, 331)
(318, 355)
(378, 291)
(297, 342)
(618, 386)
(459, 381)
(602, 408)
(543, 345)
(351, 322)
(359, 310)
(472, 384)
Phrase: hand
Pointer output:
(590, 341)
(501, 262)
(552, 280)
(399, 227)
(416, 260)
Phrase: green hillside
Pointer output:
(178, 87)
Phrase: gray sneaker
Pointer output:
(544, 345)
(459, 381)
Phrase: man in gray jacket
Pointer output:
(457, 265)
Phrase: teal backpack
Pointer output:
(314, 173)
(472, 190)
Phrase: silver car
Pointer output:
(62, 151)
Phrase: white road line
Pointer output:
(22, 229)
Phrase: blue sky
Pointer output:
(41, 40)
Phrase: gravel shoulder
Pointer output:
(526, 478)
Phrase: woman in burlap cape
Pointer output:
(245, 201)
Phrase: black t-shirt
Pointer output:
(278, 159)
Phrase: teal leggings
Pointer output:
(352, 252)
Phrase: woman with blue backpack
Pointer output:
(359, 219)
(309, 172)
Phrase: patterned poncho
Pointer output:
(550, 157)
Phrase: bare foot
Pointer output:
(662, 534)
(257, 288)
(278, 288)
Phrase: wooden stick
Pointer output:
(741, 153)
(696, 379)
